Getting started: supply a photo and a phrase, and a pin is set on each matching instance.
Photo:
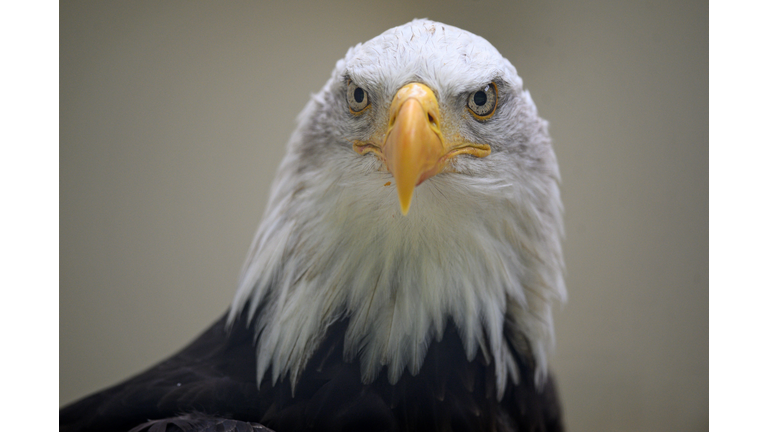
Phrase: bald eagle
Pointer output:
(404, 272)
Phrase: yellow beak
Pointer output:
(415, 149)
(414, 143)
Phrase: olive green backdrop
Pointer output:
(174, 116)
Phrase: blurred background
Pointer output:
(174, 116)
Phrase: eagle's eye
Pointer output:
(482, 103)
(357, 98)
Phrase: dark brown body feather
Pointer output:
(214, 379)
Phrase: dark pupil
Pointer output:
(480, 98)
(359, 95)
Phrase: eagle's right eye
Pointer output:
(357, 98)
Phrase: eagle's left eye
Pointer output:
(482, 103)
(357, 98)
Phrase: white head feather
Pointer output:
(480, 245)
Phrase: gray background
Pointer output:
(174, 115)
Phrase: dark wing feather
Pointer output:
(199, 423)
(214, 374)
(450, 393)
(214, 378)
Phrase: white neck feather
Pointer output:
(334, 245)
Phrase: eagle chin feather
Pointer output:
(480, 246)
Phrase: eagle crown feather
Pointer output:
(481, 244)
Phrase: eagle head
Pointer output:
(419, 188)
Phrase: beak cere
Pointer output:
(414, 149)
